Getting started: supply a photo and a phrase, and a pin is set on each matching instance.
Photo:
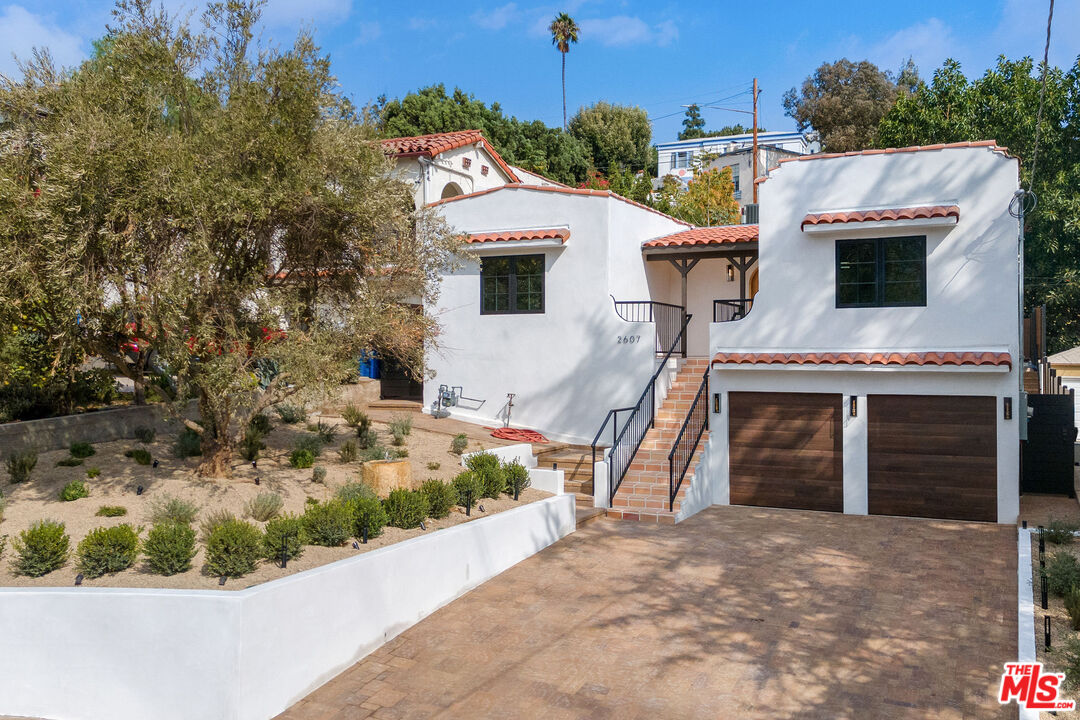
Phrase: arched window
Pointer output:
(451, 190)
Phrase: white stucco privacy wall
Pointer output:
(92, 653)
(971, 294)
(570, 364)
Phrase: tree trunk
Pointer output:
(564, 92)
(216, 459)
(140, 393)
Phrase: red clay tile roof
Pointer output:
(561, 190)
(432, 145)
(865, 358)
(992, 144)
(718, 235)
(561, 234)
(908, 213)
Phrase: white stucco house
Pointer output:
(874, 373)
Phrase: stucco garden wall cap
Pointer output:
(905, 213)
(884, 358)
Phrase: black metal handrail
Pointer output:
(613, 413)
(642, 417)
(728, 310)
(682, 451)
(668, 319)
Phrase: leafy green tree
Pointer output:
(617, 136)
(693, 124)
(1003, 105)
(563, 32)
(709, 199)
(226, 206)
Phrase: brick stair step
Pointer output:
(667, 518)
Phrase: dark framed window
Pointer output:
(513, 284)
(881, 272)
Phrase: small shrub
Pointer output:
(264, 506)
(328, 524)
(402, 423)
(288, 531)
(145, 434)
(188, 444)
(517, 477)
(459, 443)
(347, 452)
(170, 508)
(111, 511)
(405, 508)
(290, 414)
(233, 548)
(367, 512)
(251, 445)
(375, 452)
(311, 443)
(489, 471)
(1062, 572)
(325, 431)
(107, 550)
(3, 545)
(82, 450)
(1060, 532)
(1067, 658)
(468, 487)
(69, 462)
(170, 548)
(74, 490)
(93, 472)
(398, 437)
(367, 438)
(353, 415)
(434, 466)
(440, 497)
(318, 474)
(140, 456)
(41, 548)
(260, 423)
(301, 458)
(401, 453)
(1072, 606)
(350, 491)
(214, 520)
(363, 425)
(20, 464)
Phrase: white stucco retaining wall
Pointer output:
(131, 654)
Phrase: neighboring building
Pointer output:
(448, 164)
(1066, 364)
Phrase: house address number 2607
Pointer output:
(629, 339)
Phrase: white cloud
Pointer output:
(367, 32)
(498, 18)
(278, 13)
(928, 42)
(22, 30)
(623, 30)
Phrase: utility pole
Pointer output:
(754, 183)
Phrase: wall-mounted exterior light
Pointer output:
(854, 406)
(731, 273)
(1008, 408)
(716, 403)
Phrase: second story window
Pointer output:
(681, 159)
(881, 272)
(735, 180)
(512, 284)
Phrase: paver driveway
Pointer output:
(736, 613)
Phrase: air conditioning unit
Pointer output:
(750, 213)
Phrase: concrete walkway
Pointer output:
(736, 613)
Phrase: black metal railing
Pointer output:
(668, 319)
(682, 452)
(642, 417)
(728, 310)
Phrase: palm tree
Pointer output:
(563, 32)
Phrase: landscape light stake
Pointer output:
(1043, 593)
(481, 508)
(138, 490)
(355, 545)
(79, 579)
(423, 526)
(1024, 524)
(284, 551)
(468, 502)
(517, 487)
(221, 580)
(254, 465)
(363, 533)
(1046, 630)
(257, 480)
(155, 464)
(1042, 541)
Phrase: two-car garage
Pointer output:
(927, 455)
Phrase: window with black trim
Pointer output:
(881, 272)
(512, 284)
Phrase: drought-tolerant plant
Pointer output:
(347, 452)
(69, 462)
(260, 423)
(41, 548)
(318, 474)
(251, 445)
(440, 497)
(517, 477)
(285, 531)
(405, 508)
(489, 471)
(367, 513)
(375, 452)
(169, 508)
(352, 490)
(169, 548)
(1062, 572)
(402, 423)
(233, 548)
(328, 523)
(3, 504)
(74, 490)
(311, 443)
(20, 464)
(367, 438)
(325, 431)
(1060, 532)
(92, 472)
(459, 443)
(434, 466)
(353, 415)
(468, 487)
(188, 444)
(1072, 606)
(301, 458)
(290, 414)
(111, 511)
(264, 506)
(107, 550)
(81, 450)
(398, 436)
(214, 520)
(401, 452)
(140, 456)
(1067, 658)
(3, 545)
(145, 434)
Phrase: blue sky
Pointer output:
(659, 55)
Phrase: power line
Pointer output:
(1042, 98)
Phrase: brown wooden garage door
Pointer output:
(932, 456)
(786, 450)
